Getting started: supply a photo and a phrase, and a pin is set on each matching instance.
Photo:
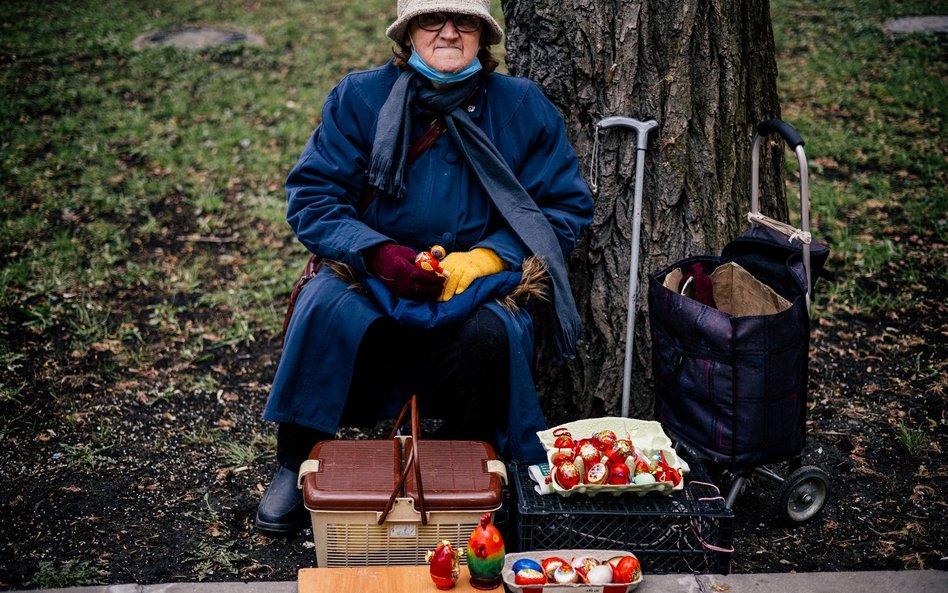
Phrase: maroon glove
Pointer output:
(395, 266)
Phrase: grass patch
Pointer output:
(871, 106)
(70, 573)
(149, 143)
(88, 456)
(217, 554)
(238, 456)
(914, 440)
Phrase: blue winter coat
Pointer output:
(444, 204)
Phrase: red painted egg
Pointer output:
(559, 458)
(668, 474)
(528, 576)
(550, 565)
(605, 438)
(619, 451)
(619, 474)
(626, 570)
(564, 440)
(586, 449)
(566, 475)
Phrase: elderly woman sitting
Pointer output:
(494, 182)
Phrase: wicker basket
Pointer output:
(394, 521)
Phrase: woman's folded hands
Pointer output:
(394, 265)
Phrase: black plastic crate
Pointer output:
(689, 531)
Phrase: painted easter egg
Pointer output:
(600, 575)
(528, 576)
(526, 563)
(485, 554)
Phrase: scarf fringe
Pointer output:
(389, 185)
(567, 340)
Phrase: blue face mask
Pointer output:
(439, 77)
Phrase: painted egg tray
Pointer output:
(601, 555)
(647, 436)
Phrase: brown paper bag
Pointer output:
(672, 280)
(739, 294)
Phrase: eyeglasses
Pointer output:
(435, 21)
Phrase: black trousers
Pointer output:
(460, 375)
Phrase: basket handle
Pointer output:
(412, 464)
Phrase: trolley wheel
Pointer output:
(803, 494)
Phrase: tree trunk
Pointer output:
(705, 70)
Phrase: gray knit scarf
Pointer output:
(387, 172)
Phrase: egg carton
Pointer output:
(647, 436)
(601, 555)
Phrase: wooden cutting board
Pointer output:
(377, 579)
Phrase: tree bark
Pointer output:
(705, 70)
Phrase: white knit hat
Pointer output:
(409, 9)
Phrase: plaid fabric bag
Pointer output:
(735, 388)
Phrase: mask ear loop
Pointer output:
(594, 163)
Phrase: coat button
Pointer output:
(447, 238)
(470, 109)
(451, 157)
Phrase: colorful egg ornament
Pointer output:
(565, 575)
(605, 438)
(485, 555)
(445, 567)
(597, 473)
(550, 565)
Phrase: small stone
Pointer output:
(917, 24)
(195, 38)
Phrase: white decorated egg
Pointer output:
(641, 479)
(600, 575)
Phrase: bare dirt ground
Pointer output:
(117, 473)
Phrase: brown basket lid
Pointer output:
(454, 476)
(353, 475)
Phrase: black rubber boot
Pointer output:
(281, 510)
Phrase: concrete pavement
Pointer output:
(907, 581)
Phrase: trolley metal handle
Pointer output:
(795, 141)
(793, 138)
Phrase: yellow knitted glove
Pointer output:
(466, 267)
